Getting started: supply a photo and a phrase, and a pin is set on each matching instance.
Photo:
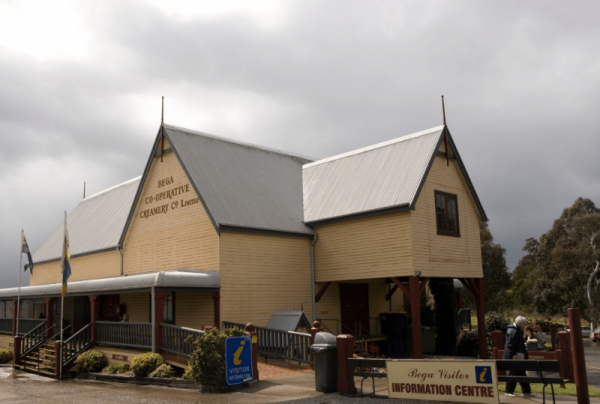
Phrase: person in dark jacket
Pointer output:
(514, 348)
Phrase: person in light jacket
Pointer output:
(514, 348)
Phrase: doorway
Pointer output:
(354, 299)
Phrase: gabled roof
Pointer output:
(379, 177)
(288, 320)
(240, 185)
(94, 225)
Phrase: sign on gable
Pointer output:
(168, 197)
(463, 381)
(238, 360)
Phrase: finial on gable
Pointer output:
(443, 110)
(162, 131)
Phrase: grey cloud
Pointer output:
(520, 81)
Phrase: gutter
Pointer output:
(312, 276)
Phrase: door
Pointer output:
(82, 313)
(354, 299)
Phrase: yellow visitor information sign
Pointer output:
(464, 381)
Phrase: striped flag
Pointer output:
(65, 264)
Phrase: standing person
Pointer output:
(540, 336)
(514, 348)
(531, 341)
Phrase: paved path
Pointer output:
(19, 387)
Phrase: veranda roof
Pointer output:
(179, 280)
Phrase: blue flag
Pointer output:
(65, 264)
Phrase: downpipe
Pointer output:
(312, 276)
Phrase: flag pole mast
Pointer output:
(62, 298)
(19, 291)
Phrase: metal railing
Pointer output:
(290, 345)
(175, 339)
(338, 325)
(134, 335)
(6, 326)
(79, 342)
(28, 324)
(33, 338)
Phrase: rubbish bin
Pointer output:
(326, 370)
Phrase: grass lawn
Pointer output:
(568, 391)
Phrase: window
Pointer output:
(2, 309)
(446, 212)
(170, 308)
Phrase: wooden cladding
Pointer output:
(170, 228)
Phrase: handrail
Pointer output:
(175, 339)
(75, 345)
(58, 333)
(133, 335)
(178, 327)
(338, 323)
(121, 322)
(78, 332)
(38, 326)
(291, 345)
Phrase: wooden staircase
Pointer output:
(41, 360)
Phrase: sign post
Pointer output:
(464, 381)
(238, 360)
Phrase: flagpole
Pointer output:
(62, 299)
(19, 290)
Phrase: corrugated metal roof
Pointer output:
(242, 185)
(95, 224)
(163, 279)
(288, 320)
(377, 177)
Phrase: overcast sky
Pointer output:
(80, 88)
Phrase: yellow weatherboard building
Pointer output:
(217, 232)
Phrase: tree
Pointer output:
(566, 260)
(523, 279)
(496, 277)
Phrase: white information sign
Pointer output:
(464, 381)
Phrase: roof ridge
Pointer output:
(245, 144)
(111, 188)
(375, 146)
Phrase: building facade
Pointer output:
(215, 230)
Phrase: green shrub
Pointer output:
(144, 364)
(187, 375)
(5, 356)
(112, 369)
(468, 345)
(163, 370)
(496, 321)
(90, 361)
(207, 363)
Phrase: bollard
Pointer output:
(316, 327)
(345, 350)
(58, 359)
(17, 351)
(254, 336)
(565, 350)
(580, 374)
